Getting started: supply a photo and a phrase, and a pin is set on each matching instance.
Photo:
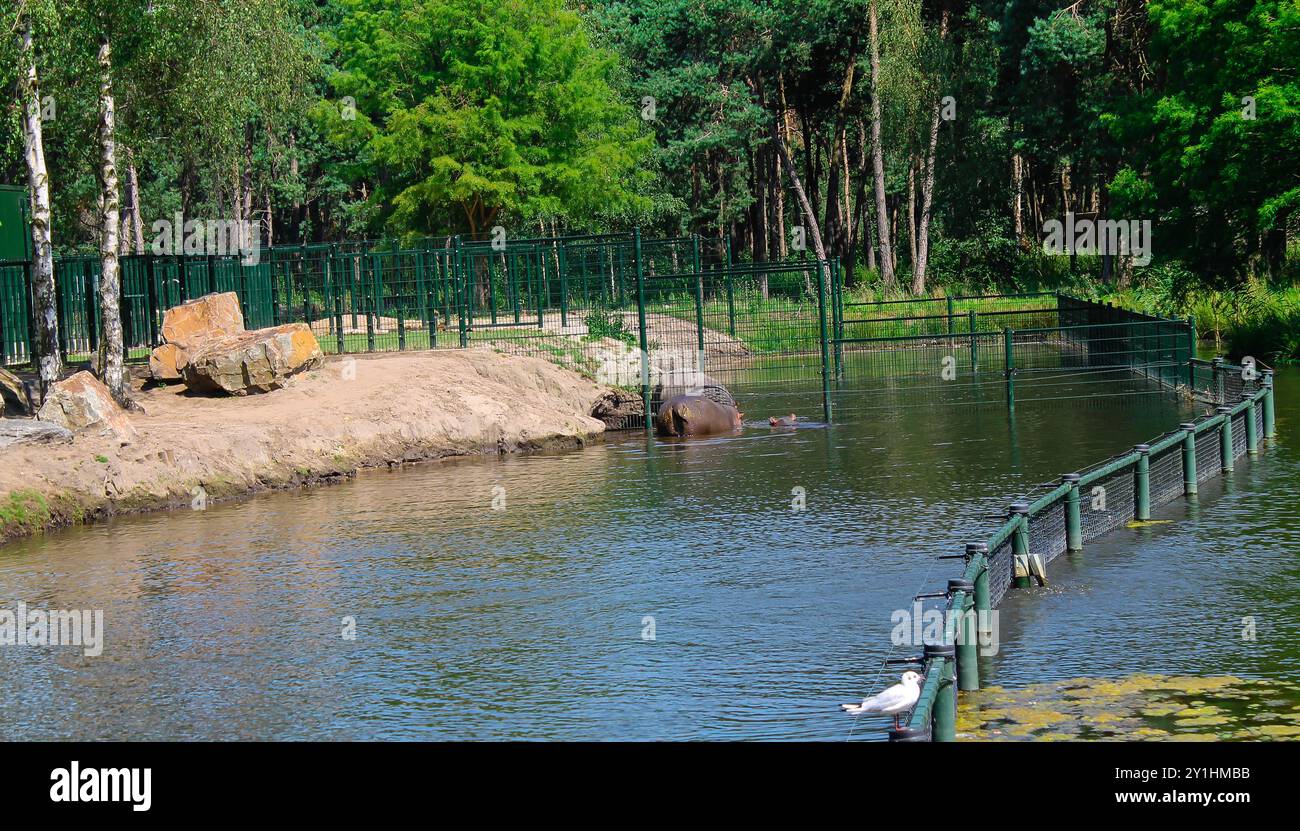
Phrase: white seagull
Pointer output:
(894, 700)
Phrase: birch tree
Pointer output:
(110, 290)
(45, 323)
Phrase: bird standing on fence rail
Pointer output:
(895, 700)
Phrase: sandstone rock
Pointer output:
(257, 361)
(13, 395)
(19, 430)
(167, 362)
(210, 316)
(80, 402)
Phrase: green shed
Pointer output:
(15, 229)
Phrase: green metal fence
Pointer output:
(596, 301)
(1063, 517)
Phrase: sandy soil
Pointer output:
(363, 411)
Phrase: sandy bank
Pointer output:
(370, 411)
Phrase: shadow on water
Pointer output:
(727, 588)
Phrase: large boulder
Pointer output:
(257, 361)
(82, 402)
(24, 430)
(190, 325)
(167, 362)
(13, 395)
(210, 316)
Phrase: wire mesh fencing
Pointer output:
(1083, 507)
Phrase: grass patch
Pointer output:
(23, 512)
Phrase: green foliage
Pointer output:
(1216, 171)
(484, 112)
(603, 323)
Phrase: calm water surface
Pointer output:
(529, 622)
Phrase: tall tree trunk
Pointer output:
(270, 227)
(110, 307)
(45, 323)
(911, 212)
(810, 216)
(1018, 195)
(927, 187)
(878, 157)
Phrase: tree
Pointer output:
(495, 110)
(45, 304)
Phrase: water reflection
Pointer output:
(527, 622)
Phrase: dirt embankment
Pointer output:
(369, 411)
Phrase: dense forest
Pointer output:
(929, 146)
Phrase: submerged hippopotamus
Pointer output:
(784, 421)
(695, 415)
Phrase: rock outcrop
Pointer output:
(187, 326)
(167, 362)
(13, 395)
(81, 402)
(20, 430)
(257, 361)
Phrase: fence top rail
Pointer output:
(1075, 327)
(935, 666)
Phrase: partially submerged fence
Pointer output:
(635, 312)
(1082, 507)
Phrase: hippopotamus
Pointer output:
(783, 421)
(695, 415)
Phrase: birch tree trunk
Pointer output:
(110, 307)
(878, 158)
(809, 214)
(927, 188)
(45, 322)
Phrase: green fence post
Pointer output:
(968, 672)
(1225, 438)
(563, 265)
(1020, 543)
(699, 296)
(974, 345)
(1189, 457)
(371, 321)
(822, 268)
(1191, 352)
(1073, 520)
(943, 716)
(1008, 336)
(1252, 435)
(1270, 424)
(731, 304)
(1142, 495)
(978, 552)
(838, 305)
(641, 326)
(460, 290)
(950, 313)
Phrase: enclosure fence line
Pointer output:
(1065, 516)
(592, 301)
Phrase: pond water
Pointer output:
(638, 589)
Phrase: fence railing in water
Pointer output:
(631, 312)
(1062, 519)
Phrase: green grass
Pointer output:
(1254, 319)
(23, 512)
